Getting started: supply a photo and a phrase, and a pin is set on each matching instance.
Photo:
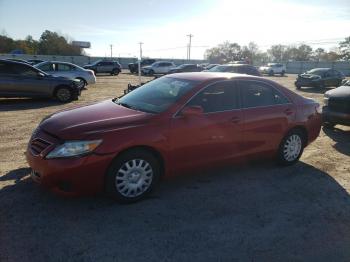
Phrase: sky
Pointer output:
(163, 25)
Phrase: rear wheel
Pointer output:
(151, 72)
(132, 176)
(64, 94)
(115, 72)
(291, 147)
(271, 73)
(282, 73)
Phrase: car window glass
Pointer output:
(218, 97)
(257, 94)
(63, 67)
(47, 67)
(24, 70)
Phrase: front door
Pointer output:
(213, 136)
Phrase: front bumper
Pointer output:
(67, 176)
(334, 117)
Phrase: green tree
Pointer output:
(345, 49)
(224, 53)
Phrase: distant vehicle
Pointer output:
(174, 124)
(17, 60)
(239, 62)
(320, 77)
(105, 66)
(272, 69)
(336, 108)
(35, 61)
(23, 80)
(186, 68)
(210, 66)
(161, 67)
(134, 67)
(236, 68)
(69, 70)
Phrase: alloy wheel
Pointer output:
(292, 147)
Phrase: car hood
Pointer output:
(105, 116)
(340, 92)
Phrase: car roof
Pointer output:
(14, 62)
(208, 76)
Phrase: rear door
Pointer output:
(213, 136)
(65, 70)
(267, 115)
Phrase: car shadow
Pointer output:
(341, 139)
(256, 212)
(15, 104)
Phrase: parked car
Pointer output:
(161, 67)
(174, 124)
(134, 67)
(336, 108)
(272, 69)
(236, 68)
(186, 68)
(320, 77)
(17, 60)
(105, 66)
(210, 66)
(35, 61)
(23, 80)
(69, 70)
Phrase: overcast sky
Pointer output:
(162, 25)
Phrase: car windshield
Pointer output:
(223, 68)
(158, 95)
(318, 72)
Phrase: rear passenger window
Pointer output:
(63, 67)
(217, 97)
(256, 94)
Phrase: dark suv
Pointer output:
(320, 77)
(22, 80)
(105, 66)
(134, 67)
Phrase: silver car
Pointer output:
(69, 70)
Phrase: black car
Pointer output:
(134, 67)
(337, 106)
(320, 77)
(105, 66)
(23, 80)
(186, 68)
(236, 68)
(17, 60)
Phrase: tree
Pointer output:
(277, 52)
(345, 49)
(224, 53)
(250, 52)
(51, 43)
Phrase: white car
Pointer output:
(273, 68)
(69, 70)
(160, 67)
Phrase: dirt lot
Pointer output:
(257, 212)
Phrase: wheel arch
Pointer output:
(303, 130)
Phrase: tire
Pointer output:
(64, 94)
(282, 73)
(151, 72)
(115, 72)
(271, 73)
(132, 176)
(329, 125)
(291, 147)
(298, 87)
(82, 82)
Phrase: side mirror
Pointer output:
(192, 111)
(40, 75)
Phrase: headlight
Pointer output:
(74, 148)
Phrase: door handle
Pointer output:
(288, 111)
(235, 120)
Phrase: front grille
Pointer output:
(339, 105)
(38, 145)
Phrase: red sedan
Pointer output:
(170, 125)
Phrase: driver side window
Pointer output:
(222, 96)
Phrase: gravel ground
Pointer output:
(254, 212)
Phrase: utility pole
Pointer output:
(139, 66)
(189, 46)
(111, 46)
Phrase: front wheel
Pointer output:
(271, 73)
(64, 94)
(115, 72)
(132, 176)
(291, 147)
(82, 82)
(282, 73)
(151, 72)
